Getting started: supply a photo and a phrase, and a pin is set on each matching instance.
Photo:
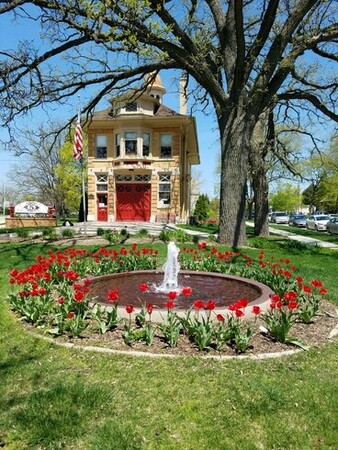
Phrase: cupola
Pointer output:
(156, 88)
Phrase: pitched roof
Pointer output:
(162, 111)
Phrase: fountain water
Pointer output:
(171, 269)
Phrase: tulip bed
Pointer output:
(54, 295)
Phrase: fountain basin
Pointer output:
(223, 289)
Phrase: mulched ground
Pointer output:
(312, 335)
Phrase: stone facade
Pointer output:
(140, 155)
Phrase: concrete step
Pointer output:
(154, 229)
(131, 227)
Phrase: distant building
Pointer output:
(140, 154)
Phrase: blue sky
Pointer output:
(11, 33)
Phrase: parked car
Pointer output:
(297, 220)
(332, 225)
(317, 222)
(279, 217)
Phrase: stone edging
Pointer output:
(92, 348)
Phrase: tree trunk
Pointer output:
(235, 139)
(258, 151)
(261, 191)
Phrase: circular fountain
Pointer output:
(221, 288)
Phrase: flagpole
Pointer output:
(84, 199)
(83, 177)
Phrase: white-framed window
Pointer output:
(118, 144)
(101, 183)
(101, 147)
(165, 146)
(146, 144)
(164, 189)
(130, 142)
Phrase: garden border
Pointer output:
(259, 357)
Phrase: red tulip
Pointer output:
(112, 296)
(172, 295)
(242, 303)
(256, 310)
(170, 304)
(198, 304)
(186, 291)
(292, 305)
(144, 287)
(210, 305)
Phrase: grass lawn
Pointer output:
(52, 397)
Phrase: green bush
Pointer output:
(46, 232)
(202, 208)
(143, 232)
(262, 242)
(100, 231)
(111, 236)
(68, 232)
(165, 235)
(195, 238)
(125, 234)
(178, 236)
(51, 236)
(22, 232)
(290, 244)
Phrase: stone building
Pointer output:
(140, 154)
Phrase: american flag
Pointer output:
(78, 143)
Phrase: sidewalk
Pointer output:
(305, 239)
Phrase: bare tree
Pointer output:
(261, 142)
(49, 174)
(274, 155)
(245, 56)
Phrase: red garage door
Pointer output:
(133, 202)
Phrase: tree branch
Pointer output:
(262, 35)
(314, 100)
(282, 39)
(324, 54)
(237, 86)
